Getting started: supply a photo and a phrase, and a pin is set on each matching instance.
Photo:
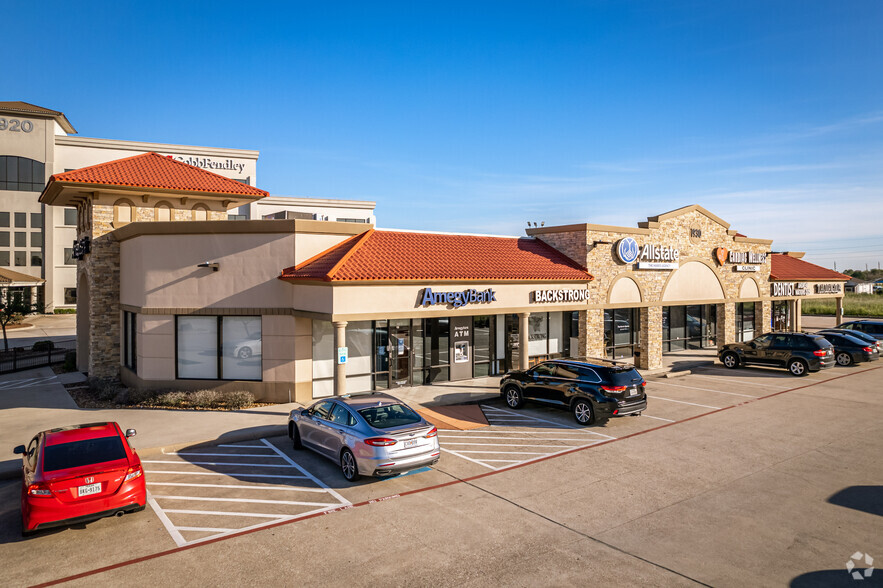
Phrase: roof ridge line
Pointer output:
(55, 176)
(323, 253)
(358, 242)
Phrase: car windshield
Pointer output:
(389, 416)
(624, 377)
(81, 453)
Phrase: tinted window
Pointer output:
(763, 340)
(322, 409)
(624, 378)
(341, 416)
(817, 343)
(589, 375)
(876, 329)
(543, 370)
(780, 342)
(566, 371)
(386, 417)
(81, 453)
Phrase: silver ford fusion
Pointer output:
(370, 434)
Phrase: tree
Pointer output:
(12, 312)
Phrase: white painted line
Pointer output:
(206, 529)
(486, 431)
(563, 426)
(246, 500)
(512, 438)
(227, 474)
(507, 419)
(213, 463)
(657, 418)
(270, 455)
(259, 525)
(705, 389)
(506, 452)
(467, 458)
(683, 402)
(241, 486)
(306, 473)
(225, 513)
(244, 446)
(769, 375)
(506, 445)
(176, 536)
(738, 381)
(504, 461)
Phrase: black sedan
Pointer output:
(869, 340)
(593, 391)
(849, 349)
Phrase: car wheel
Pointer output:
(513, 397)
(244, 353)
(844, 358)
(294, 435)
(582, 412)
(730, 360)
(348, 465)
(797, 367)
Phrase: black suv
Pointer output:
(593, 391)
(799, 352)
(872, 328)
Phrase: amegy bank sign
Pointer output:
(210, 163)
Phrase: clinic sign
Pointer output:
(456, 299)
(743, 261)
(790, 289)
(648, 256)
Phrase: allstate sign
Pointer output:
(627, 250)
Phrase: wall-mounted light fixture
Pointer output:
(596, 243)
(212, 264)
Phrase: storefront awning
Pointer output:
(13, 278)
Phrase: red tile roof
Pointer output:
(152, 170)
(785, 267)
(400, 256)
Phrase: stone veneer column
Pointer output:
(726, 323)
(651, 338)
(594, 327)
(523, 340)
(102, 269)
(766, 317)
(838, 312)
(339, 368)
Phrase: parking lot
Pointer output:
(204, 494)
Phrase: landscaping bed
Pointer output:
(98, 394)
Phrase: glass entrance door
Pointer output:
(400, 353)
(513, 342)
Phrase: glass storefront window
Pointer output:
(323, 359)
(483, 329)
(242, 347)
(620, 332)
(689, 327)
(745, 321)
(381, 356)
(197, 338)
(537, 334)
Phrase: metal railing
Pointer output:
(23, 358)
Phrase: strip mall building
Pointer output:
(304, 309)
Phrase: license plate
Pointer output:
(89, 489)
(633, 391)
(410, 443)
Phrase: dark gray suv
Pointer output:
(799, 353)
(872, 328)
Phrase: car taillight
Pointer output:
(39, 490)
(613, 388)
(133, 473)
(867, 350)
(643, 384)
(820, 352)
(380, 441)
(432, 433)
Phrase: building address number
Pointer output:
(16, 126)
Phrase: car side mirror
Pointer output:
(19, 450)
(131, 432)
(305, 412)
(753, 345)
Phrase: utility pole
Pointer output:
(835, 266)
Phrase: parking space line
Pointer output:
(505, 445)
(703, 389)
(683, 402)
(226, 474)
(509, 438)
(243, 446)
(214, 463)
(318, 482)
(207, 529)
(246, 500)
(695, 375)
(467, 458)
(562, 425)
(760, 374)
(256, 515)
(176, 535)
(503, 452)
(657, 418)
(274, 488)
(225, 454)
(484, 431)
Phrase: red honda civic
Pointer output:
(77, 474)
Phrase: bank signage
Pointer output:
(790, 289)
(648, 256)
(457, 299)
(209, 163)
(574, 295)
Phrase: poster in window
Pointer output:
(461, 352)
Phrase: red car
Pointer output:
(79, 473)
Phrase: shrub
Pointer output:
(70, 361)
(236, 399)
(169, 399)
(139, 396)
(65, 311)
(204, 398)
(104, 389)
(43, 346)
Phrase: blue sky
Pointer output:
(481, 116)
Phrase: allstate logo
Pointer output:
(627, 250)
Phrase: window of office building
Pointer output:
(21, 173)
(36, 258)
(21, 258)
(4, 219)
(21, 220)
(4, 238)
(21, 239)
(4, 258)
(218, 348)
(36, 220)
(70, 217)
(36, 239)
(70, 295)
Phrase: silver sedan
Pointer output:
(370, 434)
